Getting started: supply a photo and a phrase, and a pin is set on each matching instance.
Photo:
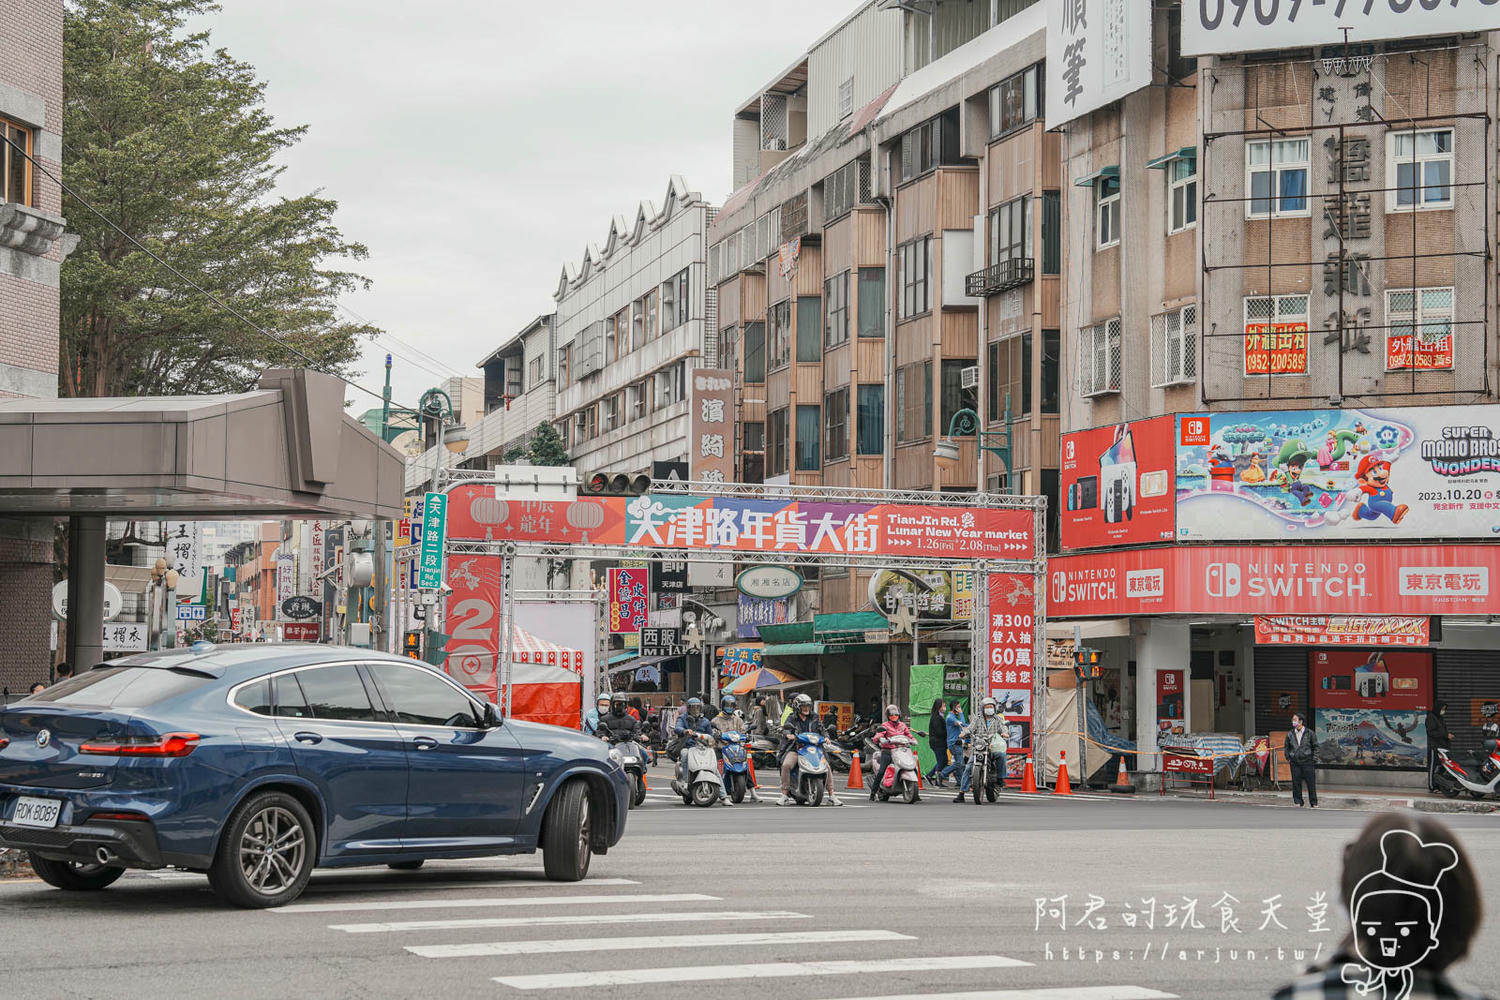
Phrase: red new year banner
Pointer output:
(471, 617)
(1011, 641)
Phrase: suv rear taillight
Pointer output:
(4, 742)
(170, 745)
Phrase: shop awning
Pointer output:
(794, 649)
(622, 657)
(791, 632)
(1185, 153)
(1102, 174)
(849, 622)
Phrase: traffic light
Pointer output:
(1088, 664)
(412, 645)
(615, 484)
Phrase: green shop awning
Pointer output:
(790, 632)
(1185, 153)
(1103, 173)
(849, 621)
(622, 657)
(794, 649)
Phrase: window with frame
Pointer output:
(15, 169)
(836, 411)
(1419, 333)
(928, 145)
(336, 692)
(1420, 169)
(610, 339)
(1051, 370)
(612, 417)
(585, 425)
(776, 429)
(564, 364)
(671, 385)
(1051, 255)
(650, 316)
(1099, 358)
(421, 697)
(1016, 101)
(954, 396)
(729, 348)
(754, 432)
(635, 400)
(1174, 346)
(914, 262)
(779, 348)
(836, 310)
(872, 302)
(842, 190)
(810, 329)
(809, 437)
(1276, 178)
(731, 262)
(1276, 335)
(536, 370)
(755, 353)
(914, 402)
(674, 301)
(1182, 194)
(1009, 371)
(1010, 231)
(869, 419)
(1107, 212)
(846, 98)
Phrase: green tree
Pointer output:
(170, 141)
(546, 447)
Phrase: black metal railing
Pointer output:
(1001, 277)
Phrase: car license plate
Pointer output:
(41, 813)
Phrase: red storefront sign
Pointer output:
(471, 617)
(1275, 348)
(1201, 766)
(1012, 637)
(1118, 484)
(1282, 579)
(628, 599)
(301, 632)
(1342, 630)
(743, 524)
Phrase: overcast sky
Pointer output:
(475, 146)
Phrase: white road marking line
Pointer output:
(437, 904)
(770, 970)
(1063, 993)
(651, 917)
(407, 881)
(748, 938)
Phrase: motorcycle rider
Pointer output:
(619, 724)
(989, 723)
(729, 720)
(592, 717)
(694, 721)
(802, 720)
(889, 730)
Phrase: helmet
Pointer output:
(988, 706)
(800, 701)
(603, 696)
(695, 706)
(728, 703)
(618, 696)
(892, 710)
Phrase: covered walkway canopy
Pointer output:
(287, 449)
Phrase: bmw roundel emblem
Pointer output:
(43, 737)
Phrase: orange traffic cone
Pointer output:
(644, 783)
(857, 772)
(750, 763)
(1028, 778)
(1061, 786)
(1122, 783)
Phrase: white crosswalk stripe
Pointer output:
(1058, 993)
(408, 882)
(650, 917)
(768, 970)
(745, 939)
(461, 903)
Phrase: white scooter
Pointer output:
(1484, 779)
(900, 777)
(701, 766)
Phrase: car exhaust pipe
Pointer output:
(103, 856)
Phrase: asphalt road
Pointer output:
(863, 901)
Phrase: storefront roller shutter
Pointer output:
(1279, 671)
(1469, 681)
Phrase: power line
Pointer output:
(279, 341)
(413, 352)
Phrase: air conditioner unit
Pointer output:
(969, 378)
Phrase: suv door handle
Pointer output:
(306, 737)
(424, 743)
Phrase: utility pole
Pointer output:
(379, 630)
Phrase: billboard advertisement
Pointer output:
(1210, 27)
(1325, 475)
(1370, 707)
(1117, 484)
(1097, 52)
(935, 595)
(628, 599)
(1276, 580)
(1012, 636)
(1343, 630)
(741, 524)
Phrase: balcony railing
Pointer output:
(1001, 277)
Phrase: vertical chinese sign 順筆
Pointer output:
(1012, 636)
(711, 442)
(627, 600)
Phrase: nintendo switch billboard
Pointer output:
(1117, 484)
(1370, 707)
(1316, 475)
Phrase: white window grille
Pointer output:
(1174, 346)
(1099, 358)
(846, 98)
(773, 121)
(1420, 329)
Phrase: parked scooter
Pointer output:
(810, 773)
(1483, 780)
(701, 767)
(734, 748)
(633, 758)
(900, 777)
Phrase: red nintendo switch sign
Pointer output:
(1118, 484)
(1266, 580)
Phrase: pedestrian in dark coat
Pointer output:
(1301, 751)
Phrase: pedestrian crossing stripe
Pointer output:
(735, 940)
(451, 903)
(1043, 993)
(768, 970)
(649, 917)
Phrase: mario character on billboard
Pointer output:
(1374, 479)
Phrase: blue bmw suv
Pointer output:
(256, 764)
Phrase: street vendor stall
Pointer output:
(546, 679)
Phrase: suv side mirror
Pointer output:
(491, 716)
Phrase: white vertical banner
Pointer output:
(304, 560)
(1097, 52)
(315, 530)
(286, 578)
(184, 545)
